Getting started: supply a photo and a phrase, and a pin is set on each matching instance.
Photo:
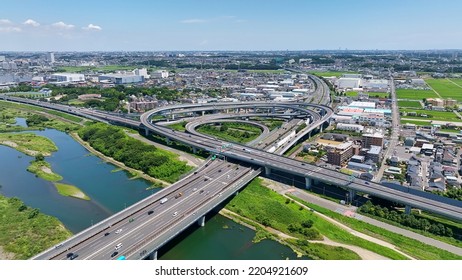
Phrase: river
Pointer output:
(111, 192)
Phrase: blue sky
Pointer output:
(97, 25)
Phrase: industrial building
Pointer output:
(120, 79)
(67, 78)
(348, 83)
(159, 74)
(350, 127)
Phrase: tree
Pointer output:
(39, 157)
(34, 213)
(307, 223)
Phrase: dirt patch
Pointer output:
(46, 170)
(10, 144)
(6, 255)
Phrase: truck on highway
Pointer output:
(163, 200)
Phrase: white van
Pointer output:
(118, 246)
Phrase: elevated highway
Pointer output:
(310, 172)
(140, 230)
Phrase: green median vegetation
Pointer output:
(230, 131)
(412, 247)
(181, 126)
(114, 142)
(21, 227)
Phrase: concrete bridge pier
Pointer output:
(320, 128)
(308, 183)
(351, 195)
(203, 113)
(152, 256)
(267, 171)
(407, 210)
(167, 140)
(146, 132)
(194, 150)
(201, 221)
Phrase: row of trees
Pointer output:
(451, 192)
(113, 142)
(406, 220)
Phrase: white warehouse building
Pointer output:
(68, 77)
(350, 127)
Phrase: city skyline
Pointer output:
(183, 25)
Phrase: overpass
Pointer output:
(140, 230)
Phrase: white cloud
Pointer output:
(7, 26)
(31, 22)
(9, 29)
(193, 20)
(62, 25)
(93, 27)
(5, 21)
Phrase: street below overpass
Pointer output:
(351, 211)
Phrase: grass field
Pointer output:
(351, 93)
(446, 88)
(379, 94)
(435, 115)
(409, 104)
(415, 94)
(410, 246)
(457, 81)
(25, 232)
(231, 131)
(371, 94)
(178, 126)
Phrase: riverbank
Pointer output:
(22, 226)
(282, 238)
(134, 172)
